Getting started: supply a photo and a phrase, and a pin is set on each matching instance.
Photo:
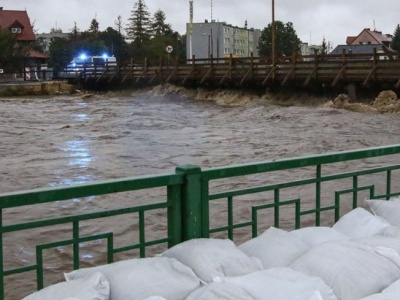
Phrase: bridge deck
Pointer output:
(303, 71)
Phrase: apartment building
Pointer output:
(219, 40)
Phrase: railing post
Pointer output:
(192, 217)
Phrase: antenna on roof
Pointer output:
(211, 10)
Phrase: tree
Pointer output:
(55, 30)
(12, 54)
(139, 27)
(94, 26)
(286, 40)
(119, 25)
(395, 45)
(158, 25)
(324, 47)
(114, 42)
(74, 31)
(60, 52)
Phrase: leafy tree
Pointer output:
(158, 25)
(286, 40)
(60, 52)
(115, 43)
(395, 45)
(12, 54)
(55, 30)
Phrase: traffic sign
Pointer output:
(1, 71)
(169, 49)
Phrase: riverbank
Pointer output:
(32, 88)
(384, 102)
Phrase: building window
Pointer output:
(16, 30)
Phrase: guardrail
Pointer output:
(236, 202)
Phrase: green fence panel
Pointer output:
(191, 196)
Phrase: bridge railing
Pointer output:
(141, 216)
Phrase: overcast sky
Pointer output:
(312, 19)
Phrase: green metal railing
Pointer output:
(191, 194)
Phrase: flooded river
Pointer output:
(64, 140)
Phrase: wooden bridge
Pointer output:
(366, 70)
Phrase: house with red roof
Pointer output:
(18, 23)
(366, 42)
(370, 37)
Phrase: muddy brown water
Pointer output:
(65, 140)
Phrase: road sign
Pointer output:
(169, 49)
(1, 71)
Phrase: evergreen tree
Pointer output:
(395, 45)
(119, 25)
(324, 47)
(74, 31)
(94, 26)
(158, 25)
(139, 27)
(286, 40)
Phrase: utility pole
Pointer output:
(190, 27)
(273, 37)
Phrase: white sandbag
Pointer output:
(352, 270)
(380, 241)
(275, 248)
(391, 231)
(275, 283)
(142, 278)
(392, 292)
(210, 258)
(283, 284)
(313, 236)
(220, 291)
(360, 223)
(388, 210)
(94, 287)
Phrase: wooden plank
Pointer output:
(270, 74)
(372, 73)
(288, 75)
(208, 74)
(187, 76)
(126, 76)
(314, 71)
(141, 75)
(245, 76)
(339, 75)
(172, 74)
(229, 72)
(115, 74)
(398, 84)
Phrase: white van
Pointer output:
(91, 63)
